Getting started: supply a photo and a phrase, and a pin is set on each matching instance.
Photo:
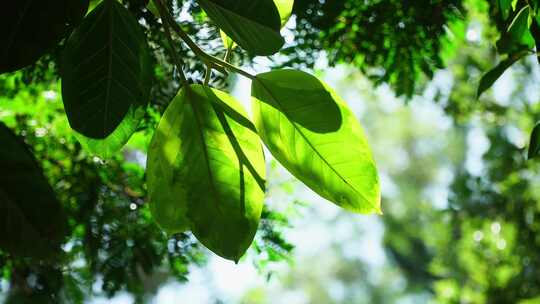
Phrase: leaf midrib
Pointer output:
(204, 147)
(311, 145)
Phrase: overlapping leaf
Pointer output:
(206, 171)
(284, 8)
(32, 221)
(312, 132)
(252, 24)
(28, 28)
(106, 77)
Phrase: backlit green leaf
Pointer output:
(206, 171)
(285, 10)
(312, 132)
(32, 221)
(505, 6)
(106, 77)
(252, 24)
(28, 28)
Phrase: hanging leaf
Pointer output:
(505, 6)
(534, 146)
(28, 28)
(490, 77)
(106, 77)
(206, 171)
(252, 24)
(535, 31)
(32, 221)
(284, 8)
(517, 35)
(313, 134)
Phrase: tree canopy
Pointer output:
(124, 157)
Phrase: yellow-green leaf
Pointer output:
(206, 171)
(312, 133)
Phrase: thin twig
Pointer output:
(207, 75)
(214, 62)
(172, 49)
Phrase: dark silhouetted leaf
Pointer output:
(517, 35)
(28, 28)
(312, 132)
(206, 171)
(534, 146)
(106, 77)
(32, 221)
(490, 77)
(252, 24)
(284, 9)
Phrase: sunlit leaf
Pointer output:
(285, 10)
(252, 24)
(311, 131)
(28, 28)
(206, 171)
(32, 221)
(106, 77)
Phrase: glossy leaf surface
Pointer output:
(32, 221)
(28, 28)
(206, 171)
(106, 77)
(252, 24)
(313, 134)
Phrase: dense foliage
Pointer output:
(107, 83)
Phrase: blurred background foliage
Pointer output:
(461, 202)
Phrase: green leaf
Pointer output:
(535, 31)
(517, 34)
(490, 77)
(151, 6)
(534, 146)
(505, 6)
(106, 77)
(32, 221)
(312, 133)
(206, 171)
(28, 28)
(252, 24)
(228, 43)
(284, 8)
